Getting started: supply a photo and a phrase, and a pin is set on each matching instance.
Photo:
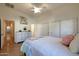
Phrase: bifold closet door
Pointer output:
(41, 30)
(54, 29)
(37, 30)
(67, 27)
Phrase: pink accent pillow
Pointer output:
(66, 40)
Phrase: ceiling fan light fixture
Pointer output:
(36, 9)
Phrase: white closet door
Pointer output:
(38, 30)
(45, 30)
(54, 29)
(67, 27)
(41, 30)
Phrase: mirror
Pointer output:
(8, 29)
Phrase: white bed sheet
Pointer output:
(46, 46)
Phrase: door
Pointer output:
(3, 36)
(67, 27)
(11, 34)
(54, 29)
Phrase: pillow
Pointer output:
(66, 40)
(74, 45)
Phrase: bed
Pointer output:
(45, 46)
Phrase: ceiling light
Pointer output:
(36, 10)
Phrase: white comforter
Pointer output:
(46, 46)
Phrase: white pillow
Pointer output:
(74, 45)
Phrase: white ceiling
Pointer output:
(27, 8)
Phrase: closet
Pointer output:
(63, 27)
(54, 29)
(67, 27)
(41, 30)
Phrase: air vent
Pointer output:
(9, 5)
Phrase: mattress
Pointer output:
(46, 46)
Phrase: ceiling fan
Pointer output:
(36, 10)
(38, 7)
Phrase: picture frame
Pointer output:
(23, 20)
